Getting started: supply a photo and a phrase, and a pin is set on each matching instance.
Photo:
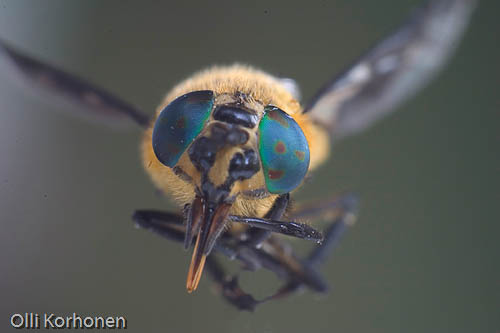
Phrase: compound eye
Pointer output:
(179, 123)
(284, 151)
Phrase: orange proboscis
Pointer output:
(195, 269)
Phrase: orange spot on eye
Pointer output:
(275, 174)
(300, 155)
(280, 147)
(278, 117)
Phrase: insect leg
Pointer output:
(93, 101)
(326, 209)
(289, 269)
(171, 226)
(295, 229)
(308, 273)
(229, 287)
(255, 235)
(168, 225)
(342, 210)
(286, 268)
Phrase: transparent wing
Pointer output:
(93, 101)
(393, 70)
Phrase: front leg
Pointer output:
(255, 235)
(272, 254)
(168, 225)
(228, 286)
(171, 226)
(342, 210)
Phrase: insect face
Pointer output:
(222, 138)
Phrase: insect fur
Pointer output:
(236, 89)
(230, 143)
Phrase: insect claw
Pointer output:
(236, 296)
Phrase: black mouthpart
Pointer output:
(212, 201)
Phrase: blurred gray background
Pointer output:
(422, 257)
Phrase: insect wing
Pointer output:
(95, 102)
(393, 70)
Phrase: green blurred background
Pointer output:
(422, 257)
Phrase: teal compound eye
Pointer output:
(284, 151)
(179, 123)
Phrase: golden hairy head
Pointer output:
(255, 84)
(253, 90)
(205, 149)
